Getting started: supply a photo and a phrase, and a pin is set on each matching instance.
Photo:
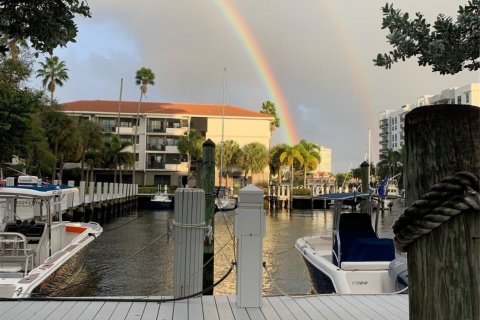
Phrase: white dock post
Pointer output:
(110, 191)
(249, 231)
(99, 192)
(91, 190)
(82, 193)
(70, 183)
(105, 192)
(189, 231)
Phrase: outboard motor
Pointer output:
(398, 272)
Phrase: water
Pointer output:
(134, 255)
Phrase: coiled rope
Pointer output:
(453, 195)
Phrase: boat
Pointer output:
(225, 200)
(162, 199)
(353, 260)
(39, 252)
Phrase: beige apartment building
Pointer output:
(160, 126)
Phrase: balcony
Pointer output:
(156, 129)
(172, 149)
(155, 147)
(176, 131)
(124, 130)
(155, 165)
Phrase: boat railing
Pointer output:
(14, 255)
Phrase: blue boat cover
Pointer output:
(42, 188)
(359, 242)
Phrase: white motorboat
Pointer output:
(225, 200)
(162, 200)
(353, 260)
(39, 252)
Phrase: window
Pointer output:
(459, 100)
(467, 97)
(172, 158)
(161, 180)
(107, 124)
(156, 125)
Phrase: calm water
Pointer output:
(134, 255)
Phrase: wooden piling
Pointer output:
(443, 265)
(188, 234)
(206, 181)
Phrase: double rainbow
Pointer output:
(265, 73)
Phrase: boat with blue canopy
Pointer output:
(353, 259)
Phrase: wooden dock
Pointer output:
(327, 307)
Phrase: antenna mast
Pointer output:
(223, 124)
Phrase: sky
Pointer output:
(312, 58)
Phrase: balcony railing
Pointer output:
(155, 147)
(158, 129)
(155, 165)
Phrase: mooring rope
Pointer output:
(452, 196)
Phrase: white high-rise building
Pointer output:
(392, 122)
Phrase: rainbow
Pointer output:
(254, 51)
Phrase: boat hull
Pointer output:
(320, 281)
(61, 278)
(353, 278)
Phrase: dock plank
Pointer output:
(46, 311)
(394, 303)
(210, 308)
(7, 305)
(63, 308)
(28, 312)
(294, 307)
(239, 313)
(340, 310)
(268, 310)
(310, 310)
(136, 311)
(180, 310)
(378, 306)
(280, 308)
(91, 311)
(255, 314)
(321, 307)
(165, 312)
(195, 309)
(151, 311)
(370, 313)
(106, 311)
(121, 310)
(223, 308)
(17, 308)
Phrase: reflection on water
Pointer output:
(134, 256)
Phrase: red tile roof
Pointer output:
(160, 108)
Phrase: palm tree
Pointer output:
(311, 157)
(269, 108)
(288, 157)
(387, 167)
(274, 162)
(53, 72)
(57, 126)
(92, 136)
(115, 155)
(231, 151)
(254, 158)
(191, 145)
(143, 78)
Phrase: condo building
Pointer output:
(159, 128)
(391, 122)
